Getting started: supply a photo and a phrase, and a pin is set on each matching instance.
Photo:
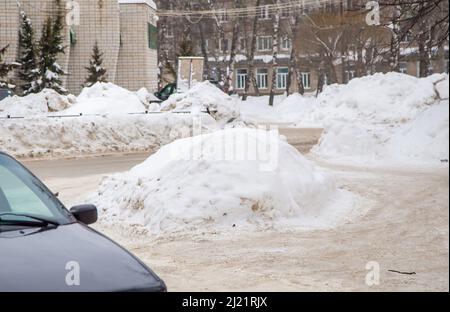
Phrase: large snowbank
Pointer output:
(381, 98)
(41, 103)
(101, 99)
(106, 98)
(205, 96)
(382, 119)
(78, 136)
(175, 190)
(424, 138)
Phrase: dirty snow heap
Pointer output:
(205, 97)
(219, 181)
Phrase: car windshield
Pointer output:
(167, 91)
(4, 93)
(22, 194)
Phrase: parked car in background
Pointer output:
(166, 92)
(45, 247)
(171, 88)
(5, 92)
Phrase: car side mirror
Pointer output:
(86, 214)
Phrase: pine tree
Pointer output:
(5, 69)
(50, 46)
(96, 72)
(29, 72)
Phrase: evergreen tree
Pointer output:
(5, 68)
(50, 46)
(29, 72)
(96, 73)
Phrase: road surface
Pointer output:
(403, 227)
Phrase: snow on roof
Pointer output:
(150, 3)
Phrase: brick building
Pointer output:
(301, 59)
(124, 29)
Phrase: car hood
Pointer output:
(44, 260)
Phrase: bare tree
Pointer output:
(426, 22)
(251, 79)
(275, 38)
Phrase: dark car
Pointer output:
(5, 92)
(166, 92)
(45, 247)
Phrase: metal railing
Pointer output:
(102, 115)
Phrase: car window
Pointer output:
(22, 193)
(166, 91)
(4, 94)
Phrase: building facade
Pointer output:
(122, 29)
(316, 44)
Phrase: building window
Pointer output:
(285, 13)
(241, 78)
(286, 44)
(169, 32)
(403, 67)
(282, 77)
(223, 16)
(243, 45)
(224, 45)
(265, 43)
(264, 12)
(73, 36)
(349, 4)
(152, 36)
(407, 38)
(349, 75)
(306, 80)
(262, 75)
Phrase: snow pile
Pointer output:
(256, 108)
(442, 88)
(219, 181)
(78, 136)
(205, 97)
(106, 98)
(425, 138)
(381, 98)
(285, 110)
(384, 119)
(295, 107)
(42, 103)
(149, 100)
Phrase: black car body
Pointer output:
(42, 251)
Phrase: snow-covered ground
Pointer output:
(216, 182)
